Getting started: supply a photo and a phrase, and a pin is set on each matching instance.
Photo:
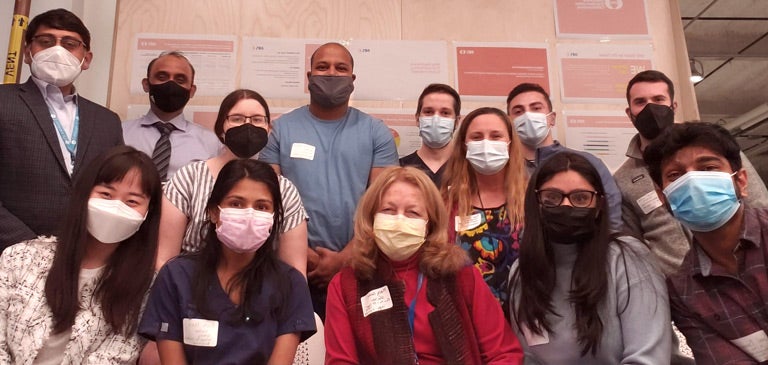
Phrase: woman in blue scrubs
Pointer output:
(233, 302)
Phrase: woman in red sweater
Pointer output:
(409, 294)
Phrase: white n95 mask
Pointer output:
(111, 221)
(56, 66)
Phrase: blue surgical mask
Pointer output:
(532, 128)
(488, 157)
(436, 131)
(703, 201)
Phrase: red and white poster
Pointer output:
(212, 56)
(489, 70)
(599, 73)
(601, 19)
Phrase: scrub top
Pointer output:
(171, 315)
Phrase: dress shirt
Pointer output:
(65, 107)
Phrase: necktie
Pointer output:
(161, 156)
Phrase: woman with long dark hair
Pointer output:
(578, 293)
(77, 298)
(233, 301)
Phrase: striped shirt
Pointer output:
(191, 186)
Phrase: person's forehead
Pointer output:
(528, 98)
(438, 97)
(57, 32)
(172, 64)
(691, 156)
(334, 53)
(644, 89)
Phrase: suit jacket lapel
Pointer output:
(87, 118)
(36, 104)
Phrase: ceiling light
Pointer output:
(697, 71)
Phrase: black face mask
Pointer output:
(168, 96)
(653, 119)
(330, 91)
(245, 140)
(567, 224)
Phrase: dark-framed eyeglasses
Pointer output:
(48, 41)
(550, 198)
(242, 119)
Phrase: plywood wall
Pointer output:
(450, 20)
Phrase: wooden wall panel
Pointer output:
(521, 21)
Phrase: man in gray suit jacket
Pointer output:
(48, 133)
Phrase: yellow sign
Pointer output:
(13, 60)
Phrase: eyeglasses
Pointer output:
(241, 119)
(48, 41)
(550, 198)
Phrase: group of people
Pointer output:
(492, 244)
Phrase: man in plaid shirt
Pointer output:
(719, 295)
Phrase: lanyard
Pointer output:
(412, 306)
(69, 143)
(412, 315)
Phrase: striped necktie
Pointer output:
(161, 156)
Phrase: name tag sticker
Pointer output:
(303, 150)
(649, 202)
(467, 223)
(376, 300)
(533, 339)
(200, 332)
(756, 345)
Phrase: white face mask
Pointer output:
(397, 236)
(56, 66)
(532, 128)
(436, 131)
(111, 221)
(488, 157)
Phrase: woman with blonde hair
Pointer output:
(483, 189)
(408, 293)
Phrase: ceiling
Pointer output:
(730, 39)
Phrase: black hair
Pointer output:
(61, 19)
(528, 87)
(652, 76)
(264, 266)
(129, 271)
(535, 277)
(680, 135)
(443, 89)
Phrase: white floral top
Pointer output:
(26, 320)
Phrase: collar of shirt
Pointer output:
(749, 239)
(545, 152)
(178, 121)
(633, 149)
(52, 94)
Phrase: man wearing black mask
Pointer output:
(330, 151)
(650, 95)
(163, 133)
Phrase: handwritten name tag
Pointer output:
(467, 223)
(376, 300)
(303, 150)
(756, 345)
(200, 332)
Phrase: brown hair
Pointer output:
(460, 181)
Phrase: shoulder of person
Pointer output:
(31, 253)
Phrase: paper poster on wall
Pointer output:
(490, 70)
(606, 19)
(385, 70)
(212, 56)
(598, 73)
(397, 70)
(403, 125)
(603, 134)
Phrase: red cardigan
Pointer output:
(479, 335)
